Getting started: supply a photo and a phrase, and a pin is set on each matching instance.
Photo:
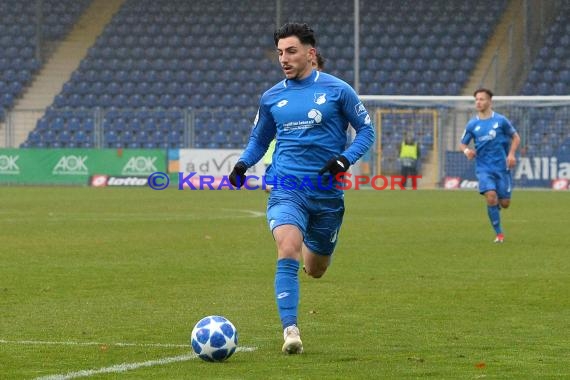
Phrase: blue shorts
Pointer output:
(501, 182)
(318, 219)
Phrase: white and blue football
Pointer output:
(214, 338)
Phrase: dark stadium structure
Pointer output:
(178, 73)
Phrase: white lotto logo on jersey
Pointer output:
(316, 115)
(320, 98)
(282, 103)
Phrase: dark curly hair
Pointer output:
(302, 31)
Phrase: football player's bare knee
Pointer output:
(289, 241)
(315, 265)
(289, 247)
(491, 198)
(505, 203)
(315, 270)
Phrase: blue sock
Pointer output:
(287, 290)
(495, 218)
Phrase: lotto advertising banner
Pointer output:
(215, 163)
(76, 166)
(531, 171)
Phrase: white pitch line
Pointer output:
(251, 213)
(70, 343)
(124, 367)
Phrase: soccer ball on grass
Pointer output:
(214, 338)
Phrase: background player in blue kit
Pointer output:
(496, 143)
(309, 113)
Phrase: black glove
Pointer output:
(335, 165)
(237, 176)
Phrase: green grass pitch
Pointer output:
(112, 281)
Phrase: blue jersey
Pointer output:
(309, 119)
(492, 139)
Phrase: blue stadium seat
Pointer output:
(389, 88)
(412, 76)
(245, 100)
(544, 88)
(453, 88)
(407, 88)
(438, 88)
(109, 138)
(60, 100)
(64, 137)
(220, 138)
(73, 125)
(134, 124)
(203, 136)
(181, 100)
(561, 88)
(150, 100)
(34, 137)
(528, 89)
(237, 139)
(173, 88)
(423, 88)
(48, 136)
(174, 138)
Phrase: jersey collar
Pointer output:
(295, 83)
(490, 117)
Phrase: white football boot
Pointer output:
(293, 344)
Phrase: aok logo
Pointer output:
(72, 165)
(8, 164)
(140, 165)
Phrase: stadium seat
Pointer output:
(561, 88)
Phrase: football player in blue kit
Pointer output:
(309, 113)
(496, 142)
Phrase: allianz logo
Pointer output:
(542, 168)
